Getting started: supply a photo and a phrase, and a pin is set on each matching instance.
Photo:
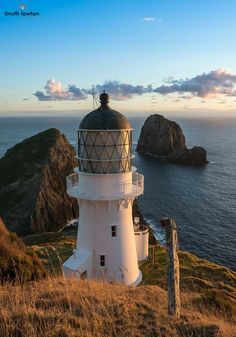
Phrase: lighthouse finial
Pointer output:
(104, 99)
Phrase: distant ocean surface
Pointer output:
(201, 199)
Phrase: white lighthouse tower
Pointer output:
(105, 185)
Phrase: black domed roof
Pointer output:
(107, 119)
(104, 118)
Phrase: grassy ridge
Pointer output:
(196, 273)
(215, 284)
(56, 307)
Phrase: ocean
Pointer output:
(201, 199)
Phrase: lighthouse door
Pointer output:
(83, 275)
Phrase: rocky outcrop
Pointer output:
(164, 139)
(196, 155)
(33, 194)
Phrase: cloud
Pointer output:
(212, 84)
(117, 91)
(121, 91)
(149, 19)
(207, 85)
(42, 97)
(55, 92)
(76, 92)
(185, 97)
(53, 87)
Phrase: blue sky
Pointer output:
(134, 42)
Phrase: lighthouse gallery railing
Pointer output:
(137, 185)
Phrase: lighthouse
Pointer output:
(109, 243)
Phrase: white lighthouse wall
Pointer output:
(141, 241)
(96, 219)
(105, 185)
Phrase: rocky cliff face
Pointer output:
(33, 174)
(163, 138)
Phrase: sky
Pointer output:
(149, 55)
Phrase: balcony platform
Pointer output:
(121, 191)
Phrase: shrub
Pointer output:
(15, 262)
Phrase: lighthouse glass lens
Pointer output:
(105, 151)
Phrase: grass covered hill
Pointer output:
(15, 262)
(57, 307)
(209, 287)
(196, 274)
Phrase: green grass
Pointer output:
(196, 274)
(52, 248)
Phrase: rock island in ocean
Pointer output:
(164, 139)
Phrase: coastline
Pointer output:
(225, 254)
(153, 239)
(143, 223)
(173, 161)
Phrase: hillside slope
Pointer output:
(196, 274)
(68, 308)
(15, 262)
(212, 287)
(33, 194)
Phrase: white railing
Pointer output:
(105, 191)
(72, 180)
(138, 180)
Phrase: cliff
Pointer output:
(33, 194)
(163, 138)
(15, 262)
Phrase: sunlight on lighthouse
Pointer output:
(109, 244)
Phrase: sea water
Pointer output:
(202, 199)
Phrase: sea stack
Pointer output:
(164, 139)
(109, 244)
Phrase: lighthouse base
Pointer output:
(139, 279)
(80, 266)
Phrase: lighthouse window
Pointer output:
(113, 231)
(102, 260)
